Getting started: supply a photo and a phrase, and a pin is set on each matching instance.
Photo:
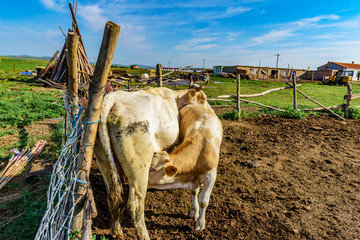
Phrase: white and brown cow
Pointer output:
(194, 162)
(133, 126)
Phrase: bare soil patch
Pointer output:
(42, 128)
(277, 179)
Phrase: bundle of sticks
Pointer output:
(18, 162)
(56, 75)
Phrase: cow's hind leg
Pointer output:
(205, 198)
(136, 167)
(114, 190)
(134, 149)
(194, 211)
(136, 202)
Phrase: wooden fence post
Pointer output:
(238, 77)
(92, 116)
(294, 89)
(72, 62)
(159, 75)
(348, 100)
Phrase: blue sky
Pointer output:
(244, 32)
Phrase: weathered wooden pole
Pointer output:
(92, 117)
(294, 89)
(72, 63)
(159, 75)
(348, 101)
(238, 77)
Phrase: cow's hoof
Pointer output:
(193, 214)
(117, 237)
(200, 225)
(117, 234)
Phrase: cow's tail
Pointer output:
(104, 134)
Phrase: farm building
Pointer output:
(352, 68)
(317, 74)
(260, 73)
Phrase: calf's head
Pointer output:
(161, 170)
(192, 96)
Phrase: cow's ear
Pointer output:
(201, 98)
(191, 93)
(171, 170)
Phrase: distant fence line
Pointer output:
(293, 86)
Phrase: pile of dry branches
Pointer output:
(56, 75)
(18, 162)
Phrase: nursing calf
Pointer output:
(194, 162)
(133, 126)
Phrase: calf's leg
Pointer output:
(205, 198)
(194, 211)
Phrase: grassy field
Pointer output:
(326, 95)
(11, 65)
(25, 103)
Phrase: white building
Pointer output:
(352, 68)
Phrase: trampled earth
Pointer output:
(277, 179)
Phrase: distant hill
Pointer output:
(28, 57)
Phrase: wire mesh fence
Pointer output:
(57, 219)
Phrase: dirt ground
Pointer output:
(277, 179)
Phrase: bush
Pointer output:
(291, 112)
(354, 112)
(245, 114)
(268, 111)
(338, 111)
(234, 115)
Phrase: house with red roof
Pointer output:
(352, 68)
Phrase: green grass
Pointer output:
(22, 102)
(21, 105)
(325, 94)
(26, 212)
(16, 65)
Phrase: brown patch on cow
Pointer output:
(218, 142)
(195, 157)
(150, 92)
(116, 122)
(142, 126)
(201, 98)
(171, 170)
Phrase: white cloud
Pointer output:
(272, 36)
(324, 36)
(197, 44)
(230, 12)
(92, 14)
(204, 47)
(308, 22)
(133, 36)
(289, 29)
(230, 36)
(56, 5)
(52, 34)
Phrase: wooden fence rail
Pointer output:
(238, 99)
